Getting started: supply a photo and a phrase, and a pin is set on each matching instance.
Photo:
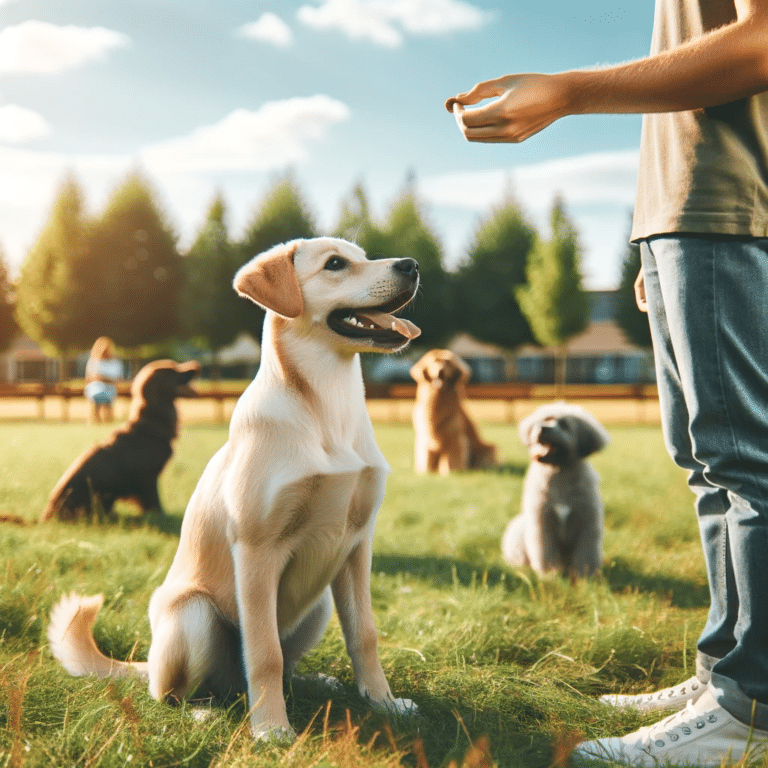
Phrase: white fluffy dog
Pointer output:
(560, 527)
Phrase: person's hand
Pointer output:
(641, 301)
(524, 105)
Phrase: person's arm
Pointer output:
(721, 66)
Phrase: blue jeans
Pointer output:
(708, 310)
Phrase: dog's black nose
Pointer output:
(409, 267)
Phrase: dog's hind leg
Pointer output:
(455, 458)
(513, 543)
(193, 651)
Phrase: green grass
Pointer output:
(485, 651)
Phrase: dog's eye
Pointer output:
(335, 263)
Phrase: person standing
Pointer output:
(102, 371)
(701, 219)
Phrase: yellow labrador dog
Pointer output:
(280, 525)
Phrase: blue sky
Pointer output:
(225, 96)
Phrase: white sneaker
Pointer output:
(703, 734)
(668, 698)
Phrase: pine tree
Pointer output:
(407, 234)
(357, 226)
(52, 299)
(355, 216)
(488, 281)
(554, 302)
(209, 305)
(8, 326)
(135, 267)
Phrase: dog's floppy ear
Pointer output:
(525, 427)
(590, 436)
(418, 370)
(187, 371)
(463, 370)
(148, 383)
(270, 281)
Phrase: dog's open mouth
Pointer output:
(374, 323)
(547, 453)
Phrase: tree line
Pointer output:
(123, 275)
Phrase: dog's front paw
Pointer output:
(400, 707)
(405, 707)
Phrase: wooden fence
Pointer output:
(388, 402)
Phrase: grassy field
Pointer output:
(504, 666)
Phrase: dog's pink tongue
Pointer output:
(383, 320)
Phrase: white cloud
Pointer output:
(600, 177)
(268, 28)
(40, 47)
(383, 21)
(276, 134)
(437, 17)
(19, 124)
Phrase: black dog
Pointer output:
(127, 465)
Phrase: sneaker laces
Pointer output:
(672, 693)
(685, 722)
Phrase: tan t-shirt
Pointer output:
(704, 171)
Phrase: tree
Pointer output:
(8, 326)
(282, 216)
(355, 217)
(488, 281)
(135, 268)
(52, 306)
(408, 235)
(208, 307)
(357, 226)
(554, 302)
(630, 319)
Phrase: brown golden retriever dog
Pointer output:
(127, 465)
(446, 439)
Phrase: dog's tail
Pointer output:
(70, 634)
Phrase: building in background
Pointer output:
(599, 355)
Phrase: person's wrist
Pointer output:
(566, 92)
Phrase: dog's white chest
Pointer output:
(319, 520)
(562, 512)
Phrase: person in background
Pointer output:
(701, 219)
(102, 371)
